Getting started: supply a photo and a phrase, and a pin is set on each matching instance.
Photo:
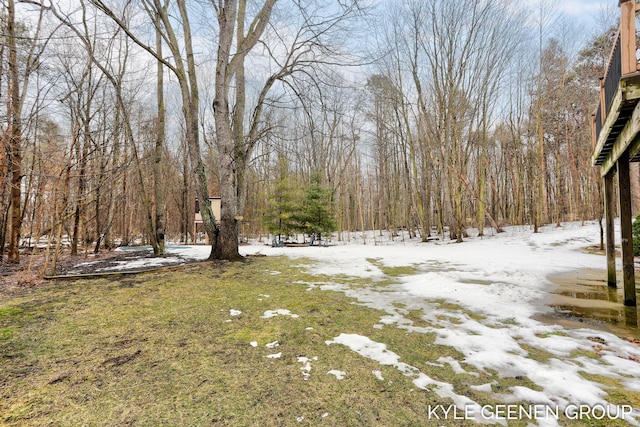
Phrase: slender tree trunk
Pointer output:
(82, 159)
(4, 149)
(158, 187)
(15, 140)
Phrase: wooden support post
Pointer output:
(624, 189)
(628, 36)
(609, 212)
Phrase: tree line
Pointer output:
(450, 115)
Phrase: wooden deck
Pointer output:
(616, 141)
(621, 126)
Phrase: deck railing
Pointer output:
(613, 74)
(609, 84)
(598, 122)
(623, 66)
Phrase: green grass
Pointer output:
(163, 349)
(397, 271)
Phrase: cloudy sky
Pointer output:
(587, 11)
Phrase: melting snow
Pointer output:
(338, 374)
(480, 298)
(279, 312)
(274, 356)
(306, 366)
(378, 352)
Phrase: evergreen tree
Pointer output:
(316, 217)
(283, 207)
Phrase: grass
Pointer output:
(165, 349)
(397, 271)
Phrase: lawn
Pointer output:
(219, 344)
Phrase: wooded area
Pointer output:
(118, 115)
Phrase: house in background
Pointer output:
(198, 224)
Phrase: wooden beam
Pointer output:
(627, 93)
(628, 268)
(609, 120)
(609, 209)
(627, 141)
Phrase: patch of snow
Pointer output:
(378, 374)
(364, 346)
(253, 343)
(279, 312)
(274, 356)
(338, 374)
(233, 312)
(367, 348)
(272, 344)
(455, 365)
(485, 388)
(306, 366)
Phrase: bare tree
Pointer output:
(21, 66)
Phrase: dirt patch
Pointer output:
(18, 279)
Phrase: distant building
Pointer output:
(198, 226)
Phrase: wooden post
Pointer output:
(609, 212)
(628, 36)
(624, 189)
(603, 107)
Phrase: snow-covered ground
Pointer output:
(503, 278)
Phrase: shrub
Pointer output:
(636, 236)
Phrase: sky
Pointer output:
(502, 281)
(586, 12)
(585, 8)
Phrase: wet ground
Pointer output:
(583, 299)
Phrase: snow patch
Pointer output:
(279, 312)
(274, 356)
(338, 374)
(306, 366)
(364, 346)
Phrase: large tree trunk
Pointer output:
(234, 153)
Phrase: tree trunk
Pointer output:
(234, 154)
(15, 140)
(158, 187)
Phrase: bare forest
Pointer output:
(428, 116)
